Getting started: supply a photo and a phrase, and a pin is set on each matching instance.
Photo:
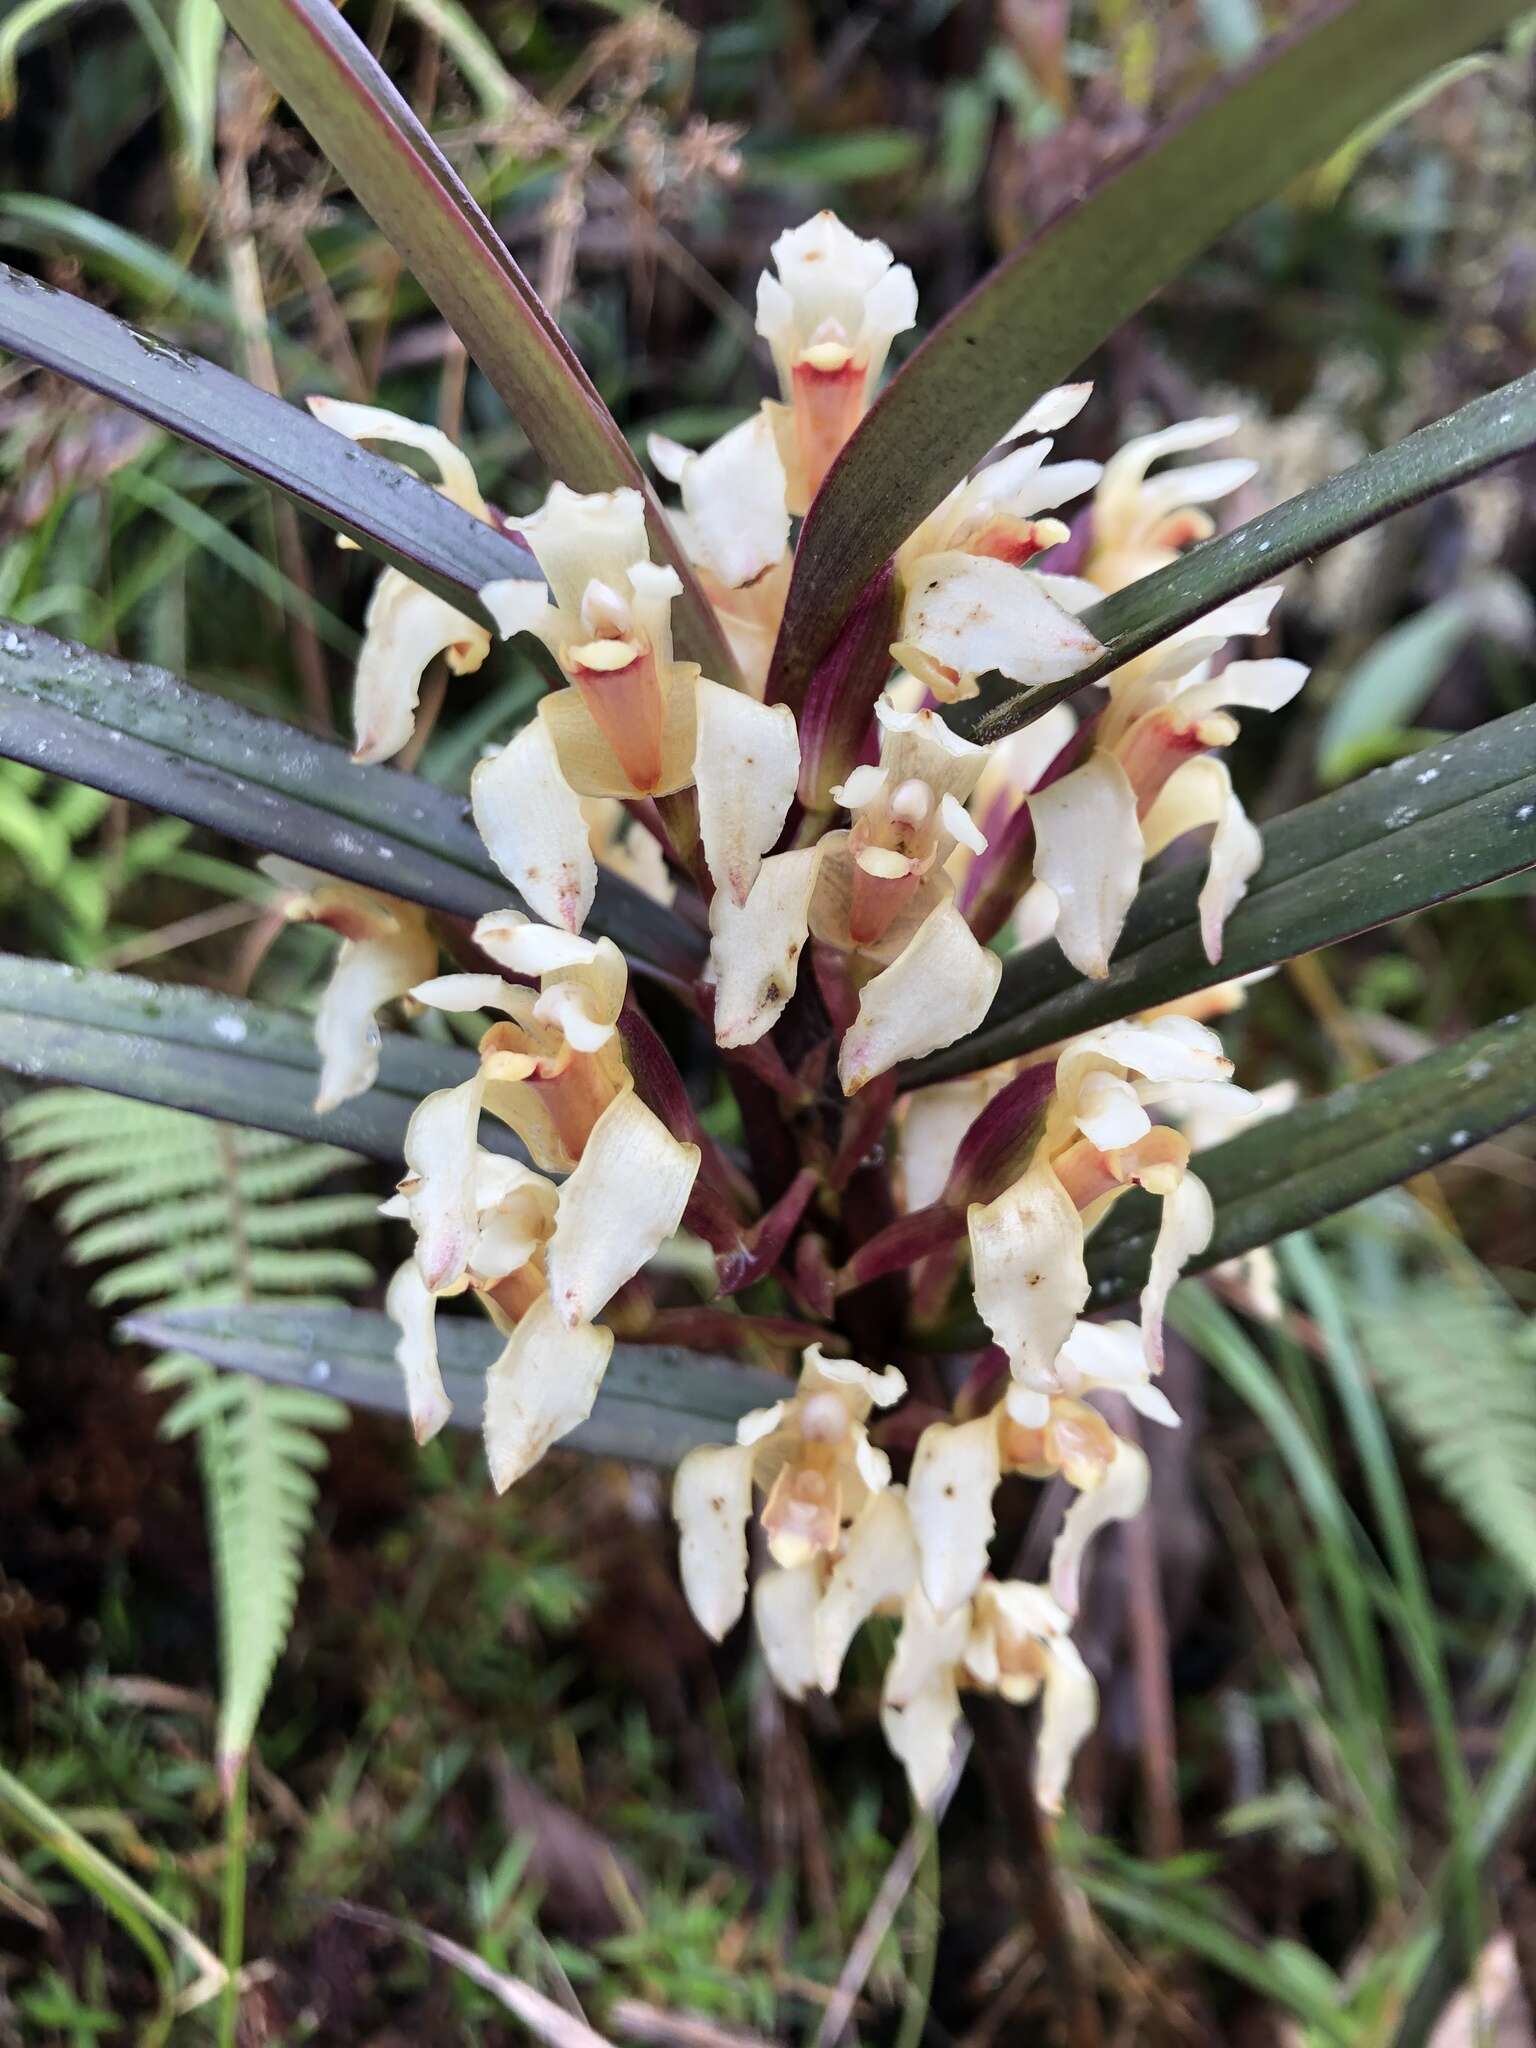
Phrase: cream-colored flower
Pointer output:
(967, 604)
(1000, 1636)
(406, 625)
(634, 722)
(503, 1229)
(829, 317)
(554, 1071)
(1151, 778)
(810, 1455)
(386, 949)
(1141, 522)
(1027, 1245)
(881, 894)
(958, 1466)
(555, 1062)
(881, 878)
(734, 529)
(1019, 1647)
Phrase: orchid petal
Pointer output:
(733, 499)
(879, 1563)
(746, 766)
(955, 1472)
(531, 821)
(1027, 1268)
(404, 628)
(412, 1308)
(373, 423)
(539, 1389)
(934, 1122)
(1068, 1709)
(368, 973)
(967, 614)
(624, 1199)
(711, 1502)
(1183, 1232)
(784, 1603)
(1120, 1494)
(440, 1146)
(755, 947)
(1201, 793)
(939, 987)
(1088, 852)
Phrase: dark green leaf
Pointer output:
(188, 1048)
(1448, 452)
(315, 59)
(381, 504)
(657, 1401)
(1441, 822)
(1291, 1171)
(1040, 314)
(138, 732)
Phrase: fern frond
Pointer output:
(188, 1212)
(1457, 1365)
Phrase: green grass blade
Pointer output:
(1448, 819)
(1038, 316)
(1420, 1636)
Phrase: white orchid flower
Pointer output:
(635, 722)
(734, 529)
(810, 1454)
(386, 949)
(1004, 1637)
(967, 604)
(1027, 1244)
(882, 894)
(406, 625)
(555, 1061)
(1151, 778)
(1141, 522)
(829, 318)
(1019, 1647)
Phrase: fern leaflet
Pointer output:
(186, 1211)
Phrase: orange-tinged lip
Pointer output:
(626, 703)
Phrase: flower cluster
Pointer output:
(852, 872)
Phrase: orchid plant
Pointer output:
(806, 921)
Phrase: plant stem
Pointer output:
(232, 1928)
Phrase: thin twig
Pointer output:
(540, 2015)
(186, 931)
(885, 1905)
(642, 2022)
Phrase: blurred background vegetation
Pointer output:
(495, 1722)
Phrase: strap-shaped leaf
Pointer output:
(1465, 443)
(1293, 1170)
(338, 89)
(142, 734)
(243, 1062)
(382, 505)
(1043, 311)
(656, 1403)
(1427, 828)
